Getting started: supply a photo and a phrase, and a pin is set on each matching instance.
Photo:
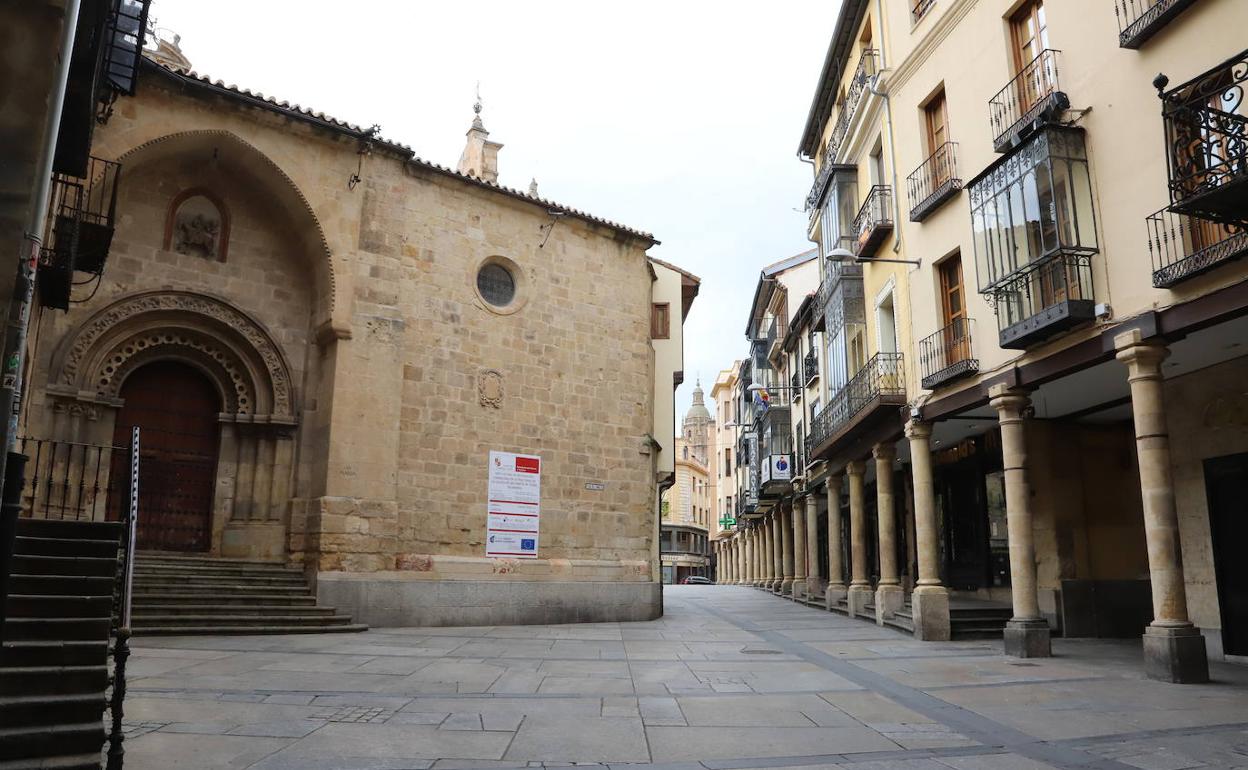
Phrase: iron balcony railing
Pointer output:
(1207, 142)
(1181, 246)
(874, 220)
(81, 219)
(948, 354)
(810, 367)
(920, 9)
(795, 382)
(935, 181)
(1046, 298)
(1032, 94)
(868, 65)
(1139, 20)
(883, 375)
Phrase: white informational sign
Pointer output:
(514, 506)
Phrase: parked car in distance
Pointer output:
(695, 580)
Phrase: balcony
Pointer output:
(1043, 300)
(1138, 20)
(795, 382)
(874, 221)
(1027, 102)
(868, 65)
(810, 367)
(934, 182)
(1207, 143)
(947, 355)
(919, 9)
(1182, 247)
(81, 221)
(877, 389)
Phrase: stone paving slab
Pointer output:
(730, 679)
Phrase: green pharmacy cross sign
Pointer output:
(727, 522)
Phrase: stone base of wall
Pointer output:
(386, 601)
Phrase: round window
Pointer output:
(496, 284)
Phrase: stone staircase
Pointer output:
(200, 595)
(968, 619)
(55, 654)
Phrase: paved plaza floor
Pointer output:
(730, 678)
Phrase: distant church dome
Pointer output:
(698, 410)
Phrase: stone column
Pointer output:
(930, 599)
(800, 513)
(764, 553)
(739, 545)
(786, 540)
(836, 569)
(751, 568)
(1027, 633)
(759, 542)
(814, 582)
(889, 596)
(860, 585)
(773, 551)
(1174, 650)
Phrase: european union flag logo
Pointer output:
(528, 543)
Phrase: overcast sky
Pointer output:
(680, 118)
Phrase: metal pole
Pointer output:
(116, 755)
(32, 239)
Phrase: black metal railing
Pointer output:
(73, 481)
(1181, 246)
(810, 366)
(79, 231)
(868, 65)
(1207, 142)
(883, 375)
(934, 181)
(1031, 94)
(874, 220)
(1139, 20)
(947, 354)
(920, 9)
(795, 382)
(1047, 297)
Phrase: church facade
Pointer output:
(326, 342)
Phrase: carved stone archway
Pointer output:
(258, 421)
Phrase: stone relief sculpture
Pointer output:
(198, 225)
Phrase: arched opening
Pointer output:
(176, 408)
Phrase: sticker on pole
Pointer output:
(514, 506)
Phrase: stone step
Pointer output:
(59, 606)
(68, 528)
(148, 557)
(66, 546)
(160, 569)
(145, 609)
(62, 585)
(215, 630)
(293, 599)
(216, 580)
(235, 589)
(18, 629)
(75, 762)
(82, 566)
(43, 652)
(30, 709)
(28, 741)
(53, 680)
(139, 622)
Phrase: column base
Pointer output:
(1175, 655)
(930, 608)
(786, 586)
(832, 596)
(888, 599)
(814, 586)
(1027, 639)
(859, 597)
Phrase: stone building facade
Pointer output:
(323, 337)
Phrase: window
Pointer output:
(953, 308)
(727, 461)
(1029, 31)
(936, 125)
(496, 284)
(660, 320)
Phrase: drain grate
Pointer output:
(761, 652)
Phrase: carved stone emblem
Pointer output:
(490, 388)
(197, 234)
(198, 225)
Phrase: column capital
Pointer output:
(917, 429)
(885, 450)
(1007, 398)
(856, 468)
(1142, 356)
(812, 504)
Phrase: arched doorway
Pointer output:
(176, 408)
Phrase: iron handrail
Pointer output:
(1034, 83)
